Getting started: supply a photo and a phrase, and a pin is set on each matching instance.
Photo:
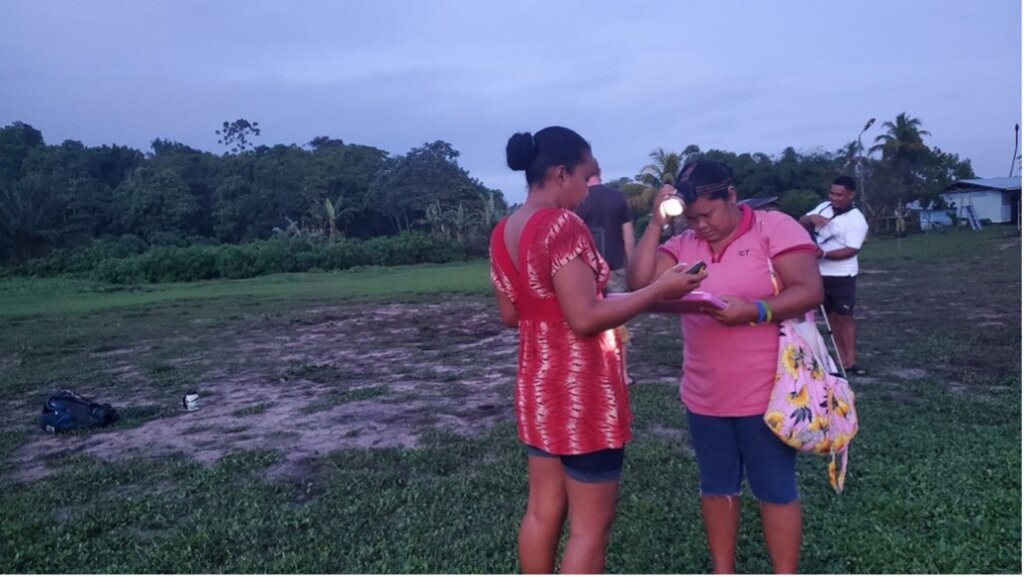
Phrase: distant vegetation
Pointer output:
(117, 214)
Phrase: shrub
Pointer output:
(82, 261)
(204, 262)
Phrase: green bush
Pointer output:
(82, 261)
(194, 263)
(796, 202)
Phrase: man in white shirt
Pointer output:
(840, 230)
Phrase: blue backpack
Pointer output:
(68, 411)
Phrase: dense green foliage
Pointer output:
(93, 203)
(67, 196)
(117, 262)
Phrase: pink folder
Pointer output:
(694, 302)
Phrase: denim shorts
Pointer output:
(728, 447)
(596, 467)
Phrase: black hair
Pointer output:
(552, 146)
(846, 182)
(704, 178)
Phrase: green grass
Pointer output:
(935, 473)
(71, 296)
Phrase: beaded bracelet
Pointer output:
(764, 313)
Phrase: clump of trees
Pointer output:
(897, 169)
(67, 197)
(68, 208)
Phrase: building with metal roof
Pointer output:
(995, 200)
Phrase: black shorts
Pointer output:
(597, 467)
(840, 294)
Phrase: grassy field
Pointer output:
(360, 422)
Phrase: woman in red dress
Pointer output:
(572, 408)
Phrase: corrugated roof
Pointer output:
(1005, 184)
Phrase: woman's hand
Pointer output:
(736, 312)
(658, 218)
(675, 283)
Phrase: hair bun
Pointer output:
(520, 151)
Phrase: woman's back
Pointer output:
(570, 394)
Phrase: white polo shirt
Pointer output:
(848, 230)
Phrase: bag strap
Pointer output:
(767, 256)
(837, 479)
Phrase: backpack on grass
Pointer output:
(66, 410)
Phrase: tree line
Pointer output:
(895, 169)
(68, 197)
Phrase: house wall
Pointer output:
(934, 218)
(987, 204)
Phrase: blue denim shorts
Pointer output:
(728, 447)
(596, 467)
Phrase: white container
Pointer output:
(190, 401)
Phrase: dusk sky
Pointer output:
(743, 76)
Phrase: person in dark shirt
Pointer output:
(611, 224)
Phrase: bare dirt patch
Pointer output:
(329, 378)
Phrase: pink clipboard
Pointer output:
(695, 302)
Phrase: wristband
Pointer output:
(768, 312)
(761, 313)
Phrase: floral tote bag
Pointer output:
(811, 408)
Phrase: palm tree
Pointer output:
(435, 218)
(490, 212)
(902, 141)
(461, 220)
(663, 170)
(903, 152)
(335, 211)
(848, 154)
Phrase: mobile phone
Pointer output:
(697, 267)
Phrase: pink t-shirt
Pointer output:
(728, 371)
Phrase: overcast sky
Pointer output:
(744, 76)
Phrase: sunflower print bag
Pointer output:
(811, 409)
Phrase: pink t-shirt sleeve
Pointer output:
(674, 246)
(784, 234)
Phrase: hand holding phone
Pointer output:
(697, 267)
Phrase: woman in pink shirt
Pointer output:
(730, 355)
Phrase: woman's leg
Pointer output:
(783, 531)
(545, 515)
(721, 472)
(721, 524)
(771, 470)
(591, 513)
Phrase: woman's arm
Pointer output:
(506, 309)
(798, 271)
(647, 262)
(586, 314)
